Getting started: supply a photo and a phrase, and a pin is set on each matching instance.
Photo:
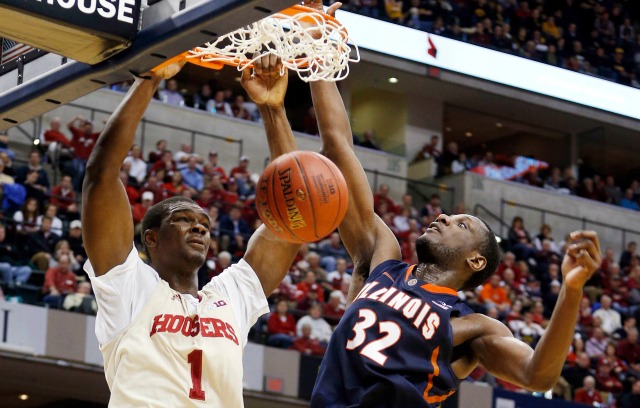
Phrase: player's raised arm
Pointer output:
(106, 214)
(539, 370)
(366, 237)
(269, 256)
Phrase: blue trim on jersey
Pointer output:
(383, 351)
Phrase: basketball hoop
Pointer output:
(309, 42)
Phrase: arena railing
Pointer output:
(585, 223)
(146, 122)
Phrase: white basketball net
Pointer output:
(317, 51)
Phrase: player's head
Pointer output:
(176, 228)
(461, 243)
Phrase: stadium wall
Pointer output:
(473, 189)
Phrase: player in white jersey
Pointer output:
(164, 343)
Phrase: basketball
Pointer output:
(302, 197)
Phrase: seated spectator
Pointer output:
(181, 157)
(170, 94)
(313, 265)
(8, 164)
(520, 240)
(177, 185)
(576, 374)
(27, 218)
(333, 309)
(628, 201)
(166, 163)
(63, 197)
(618, 367)
(610, 319)
(51, 211)
(429, 150)
(63, 248)
(5, 178)
(393, 9)
(305, 344)
(407, 202)
(192, 176)
(281, 327)
(545, 233)
(309, 284)
(220, 106)
(241, 174)
(493, 294)
(53, 137)
(137, 165)
(213, 167)
(320, 329)
(526, 330)
(588, 394)
(74, 238)
(58, 282)
(631, 399)
(203, 100)
(40, 245)
(383, 196)
(81, 301)
(336, 277)
(155, 155)
(140, 209)
(9, 255)
(448, 157)
(628, 254)
(597, 343)
(132, 193)
(368, 140)
(238, 108)
(34, 164)
(606, 381)
(401, 221)
(35, 190)
(309, 299)
(432, 210)
(231, 225)
(629, 350)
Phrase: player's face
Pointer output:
(448, 240)
(185, 232)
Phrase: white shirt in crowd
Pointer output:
(320, 329)
(162, 348)
(610, 319)
(56, 225)
(138, 169)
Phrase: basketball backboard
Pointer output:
(169, 27)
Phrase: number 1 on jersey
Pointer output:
(195, 359)
(373, 349)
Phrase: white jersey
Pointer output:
(165, 349)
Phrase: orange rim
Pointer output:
(217, 65)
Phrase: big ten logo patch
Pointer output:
(325, 186)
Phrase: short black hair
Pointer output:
(153, 218)
(490, 249)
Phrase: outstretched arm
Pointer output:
(539, 370)
(366, 237)
(269, 256)
(107, 225)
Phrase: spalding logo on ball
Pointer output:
(302, 197)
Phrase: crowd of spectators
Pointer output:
(589, 36)
(590, 185)
(43, 232)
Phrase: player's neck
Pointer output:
(435, 275)
(185, 283)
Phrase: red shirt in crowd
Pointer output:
(629, 351)
(587, 397)
(56, 136)
(281, 325)
(138, 212)
(63, 281)
(333, 314)
(62, 198)
(307, 346)
(83, 143)
(304, 287)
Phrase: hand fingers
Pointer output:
(590, 235)
(589, 246)
(333, 8)
(246, 75)
(273, 64)
(257, 66)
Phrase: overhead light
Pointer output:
(36, 142)
(393, 80)
(448, 129)
(23, 397)
(468, 134)
(499, 124)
